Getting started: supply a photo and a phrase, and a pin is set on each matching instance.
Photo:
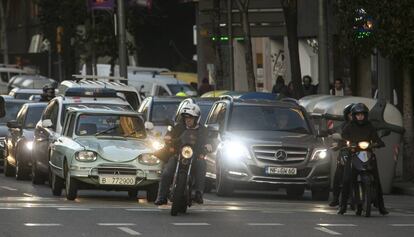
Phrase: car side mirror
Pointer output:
(47, 123)
(384, 133)
(13, 124)
(2, 107)
(213, 127)
(149, 126)
(336, 137)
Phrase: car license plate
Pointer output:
(281, 170)
(116, 180)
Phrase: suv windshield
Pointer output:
(110, 125)
(163, 112)
(268, 118)
(175, 88)
(90, 105)
(33, 116)
(12, 108)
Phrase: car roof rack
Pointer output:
(98, 78)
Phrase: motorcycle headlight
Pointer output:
(235, 150)
(157, 145)
(319, 154)
(187, 152)
(29, 145)
(85, 156)
(148, 159)
(363, 145)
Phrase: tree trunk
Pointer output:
(3, 18)
(290, 13)
(408, 158)
(244, 10)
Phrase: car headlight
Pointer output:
(148, 159)
(85, 156)
(29, 145)
(187, 152)
(157, 145)
(235, 150)
(363, 145)
(319, 154)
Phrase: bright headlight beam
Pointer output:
(363, 145)
(235, 150)
(157, 145)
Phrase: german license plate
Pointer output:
(281, 170)
(116, 180)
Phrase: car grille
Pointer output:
(118, 170)
(292, 154)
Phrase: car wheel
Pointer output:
(57, 184)
(37, 178)
(71, 185)
(152, 192)
(9, 171)
(295, 192)
(21, 172)
(132, 194)
(224, 187)
(320, 194)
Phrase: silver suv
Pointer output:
(266, 145)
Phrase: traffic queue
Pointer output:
(99, 133)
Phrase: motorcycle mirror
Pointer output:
(2, 107)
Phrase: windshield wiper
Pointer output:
(106, 130)
(296, 129)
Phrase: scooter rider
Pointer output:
(48, 93)
(190, 115)
(360, 129)
(339, 172)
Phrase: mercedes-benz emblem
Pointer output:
(280, 155)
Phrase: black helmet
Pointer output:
(360, 108)
(347, 111)
(48, 87)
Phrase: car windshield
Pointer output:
(175, 88)
(163, 112)
(205, 109)
(23, 96)
(268, 118)
(110, 125)
(12, 108)
(33, 116)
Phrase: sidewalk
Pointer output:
(400, 187)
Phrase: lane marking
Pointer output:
(265, 224)
(129, 231)
(10, 208)
(73, 209)
(8, 188)
(191, 224)
(116, 224)
(41, 224)
(402, 225)
(328, 231)
(29, 195)
(144, 210)
(327, 225)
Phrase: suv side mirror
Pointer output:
(149, 126)
(13, 124)
(47, 123)
(213, 127)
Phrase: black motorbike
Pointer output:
(181, 188)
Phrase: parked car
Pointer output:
(55, 111)
(263, 144)
(12, 107)
(24, 94)
(103, 148)
(160, 111)
(19, 141)
(29, 82)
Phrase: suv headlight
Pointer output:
(319, 154)
(148, 159)
(157, 145)
(235, 150)
(85, 156)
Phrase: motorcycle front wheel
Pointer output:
(367, 197)
(179, 203)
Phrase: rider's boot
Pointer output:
(198, 198)
(342, 208)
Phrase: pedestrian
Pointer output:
(308, 88)
(280, 88)
(290, 90)
(205, 87)
(338, 89)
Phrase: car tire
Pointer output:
(57, 184)
(320, 194)
(9, 171)
(295, 192)
(71, 185)
(224, 187)
(133, 194)
(37, 177)
(152, 192)
(21, 172)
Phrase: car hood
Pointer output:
(274, 137)
(115, 150)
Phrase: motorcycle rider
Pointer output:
(48, 93)
(190, 119)
(339, 172)
(360, 129)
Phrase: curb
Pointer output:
(403, 188)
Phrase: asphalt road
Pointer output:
(27, 210)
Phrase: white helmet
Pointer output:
(192, 110)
